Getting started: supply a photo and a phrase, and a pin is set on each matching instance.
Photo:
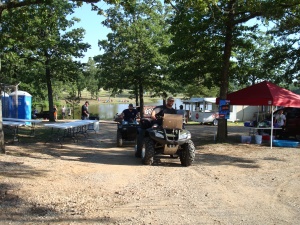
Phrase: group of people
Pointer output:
(131, 113)
(63, 112)
(158, 112)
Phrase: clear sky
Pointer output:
(95, 31)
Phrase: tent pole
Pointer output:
(257, 116)
(271, 140)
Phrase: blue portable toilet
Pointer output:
(5, 104)
(23, 110)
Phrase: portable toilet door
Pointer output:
(20, 105)
(5, 104)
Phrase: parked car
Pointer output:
(292, 127)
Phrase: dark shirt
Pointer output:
(130, 115)
(84, 109)
(160, 112)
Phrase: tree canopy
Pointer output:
(36, 48)
(44, 42)
(132, 57)
(209, 38)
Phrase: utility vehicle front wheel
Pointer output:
(148, 151)
(187, 155)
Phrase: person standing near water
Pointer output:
(55, 112)
(84, 111)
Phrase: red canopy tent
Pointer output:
(264, 93)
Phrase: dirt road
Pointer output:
(94, 182)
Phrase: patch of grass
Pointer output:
(193, 123)
(42, 134)
(236, 123)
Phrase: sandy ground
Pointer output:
(95, 182)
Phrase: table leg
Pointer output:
(16, 132)
(54, 136)
(32, 130)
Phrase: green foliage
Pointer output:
(249, 64)
(72, 102)
(213, 44)
(285, 53)
(132, 58)
(18, 44)
(44, 45)
(90, 75)
(40, 105)
(192, 90)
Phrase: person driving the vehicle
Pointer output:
(129, 114)
(159, 111)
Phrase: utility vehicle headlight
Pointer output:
(159, 135)
(185, 136)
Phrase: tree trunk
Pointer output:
(222, 123)
(49, 88)
(136, 95)
(2, 144)
(141, 94)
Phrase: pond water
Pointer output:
(108, 111)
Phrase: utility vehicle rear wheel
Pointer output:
(148, 151)
(119, 139)
(187, 155)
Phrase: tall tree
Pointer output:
(206, 33)
(285, 53)
(45, 43)
(9, 6)
(90, 73)
(249, 64)
(132, 57)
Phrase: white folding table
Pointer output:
(27, 122)
(69, 129)
(14, 125)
